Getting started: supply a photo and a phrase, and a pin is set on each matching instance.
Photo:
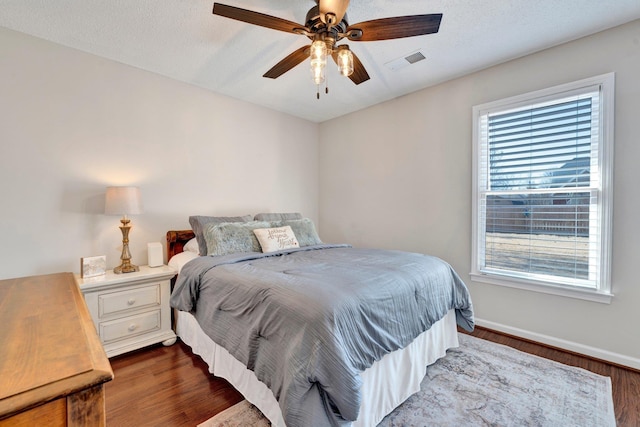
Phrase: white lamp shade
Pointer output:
(123, 201)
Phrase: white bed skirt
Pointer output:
(386, 384)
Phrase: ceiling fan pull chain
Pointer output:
(318, 92)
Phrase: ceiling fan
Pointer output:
(326, 24)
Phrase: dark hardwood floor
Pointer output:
(164, 386)
(168, 386)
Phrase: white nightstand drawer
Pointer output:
(130, 326)
(130, 310)
(128, 299)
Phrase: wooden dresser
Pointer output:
(52, 365)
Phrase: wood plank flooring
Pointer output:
(169, 386)
(164, 386)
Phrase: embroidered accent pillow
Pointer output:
(276, 239)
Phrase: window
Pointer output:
(543, 189)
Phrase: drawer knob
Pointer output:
(132, 327)
(131, 301)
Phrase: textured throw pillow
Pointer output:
(304, 230)
(276, 239)
(277, 216)
(198, 223)
(233, 237)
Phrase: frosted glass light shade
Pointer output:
(123, 201)
(317, 74)
(318, 61)
(345, 61)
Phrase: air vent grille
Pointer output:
(404, 61)
(415, 57)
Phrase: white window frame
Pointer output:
(602, 293)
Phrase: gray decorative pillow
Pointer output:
(304, 229)
(233, 237)
(277, 216)
(198, 224)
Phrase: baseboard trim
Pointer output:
(593, 352)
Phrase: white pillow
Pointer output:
(179, 260)
(191, 246)
(276, 239)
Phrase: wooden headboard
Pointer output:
(176, 239)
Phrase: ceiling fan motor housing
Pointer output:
(316, 25)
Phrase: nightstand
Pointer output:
(130, 310)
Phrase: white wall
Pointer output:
(398, 175)
(72, 123)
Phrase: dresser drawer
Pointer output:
(128, 299)
(130, 326)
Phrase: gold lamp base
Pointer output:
(125, 266)
(122, 268)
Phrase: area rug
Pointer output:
(482, 383)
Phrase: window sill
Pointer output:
(565, 291)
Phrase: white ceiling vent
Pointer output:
(405, 61)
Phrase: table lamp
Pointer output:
(124, 201)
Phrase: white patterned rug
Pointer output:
(482, 383)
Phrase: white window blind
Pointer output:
(540, 212)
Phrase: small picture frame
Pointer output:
(93, 266)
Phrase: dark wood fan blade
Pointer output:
(359, 74)
(255, 18)
(288, 63)
(395, 28)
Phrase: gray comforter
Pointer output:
(308, 321)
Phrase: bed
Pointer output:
(321, 375)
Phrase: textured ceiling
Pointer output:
(183, 40)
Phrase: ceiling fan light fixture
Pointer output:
(318, 56)
(345, 61)
(326, 23)
(317, 73)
